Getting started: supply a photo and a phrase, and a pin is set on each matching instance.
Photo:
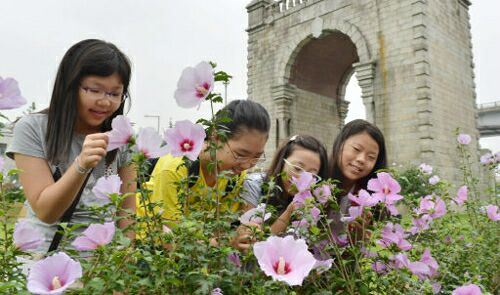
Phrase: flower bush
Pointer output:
(444, 241)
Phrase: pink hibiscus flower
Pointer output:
(194, 85)
(26, 237)
(492, 212)
(94, 236)
(10, 95)
(106, 186)
(185, 139)
(149, 143)
(121, 133)
(284, 259)
(461, 195)
(53, 274)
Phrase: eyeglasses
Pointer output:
(241, 159)
(297, 170)
(97, 93)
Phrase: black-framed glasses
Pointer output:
(296, 170)
(97, 93)
(241, 159)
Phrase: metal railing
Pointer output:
(488, 105)
(284, 5)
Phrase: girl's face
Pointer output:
(98, 98)
(300, 160)
(242, 152)
(359, 155)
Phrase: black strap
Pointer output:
(68, 213)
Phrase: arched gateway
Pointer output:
(412, 60)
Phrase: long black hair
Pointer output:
(87, 57)
(280, 199)
(352, 128)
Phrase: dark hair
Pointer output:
(245, 115)
(87, 57)
(352, 128)
(280, 200)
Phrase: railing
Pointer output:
(284, 5)
(488, 105)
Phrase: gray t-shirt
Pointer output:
(252, 188)
(29, 139)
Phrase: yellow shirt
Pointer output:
(164, 183)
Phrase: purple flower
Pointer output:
(303, 182)
(315, 212)
(298, 224)
(322, 265)
(420, 224)
(430, 262)
(354, 212)
(300, 198)
(420, 269)
(322, 193)
(379, 267)
(487, 158)
(434, 207)
(492, 212)
(53, 274)
(26, 237)
(106, 186)
(461, 195)
(256, 215)
(386, 189)
(364, 199)
(426, 169)
(216, 291)
(185, 139)
(399, 261)
(121, 133)
(284, 259)
(149, 143)
(10, 95)
(340, 240)
(434, 180)
(464, 139)
(94, 236)
(470, 289)
(194, 85)
(394, 234)
(368, 253)
(234, 258)
(436, 288)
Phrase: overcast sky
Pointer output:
(163, 37)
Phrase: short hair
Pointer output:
(244, 115)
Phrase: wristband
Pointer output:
(79, 168)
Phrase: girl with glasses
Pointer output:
(298, 154)
(247, 134)
(57, 148)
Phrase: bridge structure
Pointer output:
(412, 59)
(489, 119)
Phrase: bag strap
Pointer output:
(68, 213)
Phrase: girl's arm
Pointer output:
(280, 225)
(128, 176)
(48, 199)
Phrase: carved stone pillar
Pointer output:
(365, 73)
(283, 96)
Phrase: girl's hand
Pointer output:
(245, 237)
(93, 150)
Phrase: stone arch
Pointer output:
(302, 37)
